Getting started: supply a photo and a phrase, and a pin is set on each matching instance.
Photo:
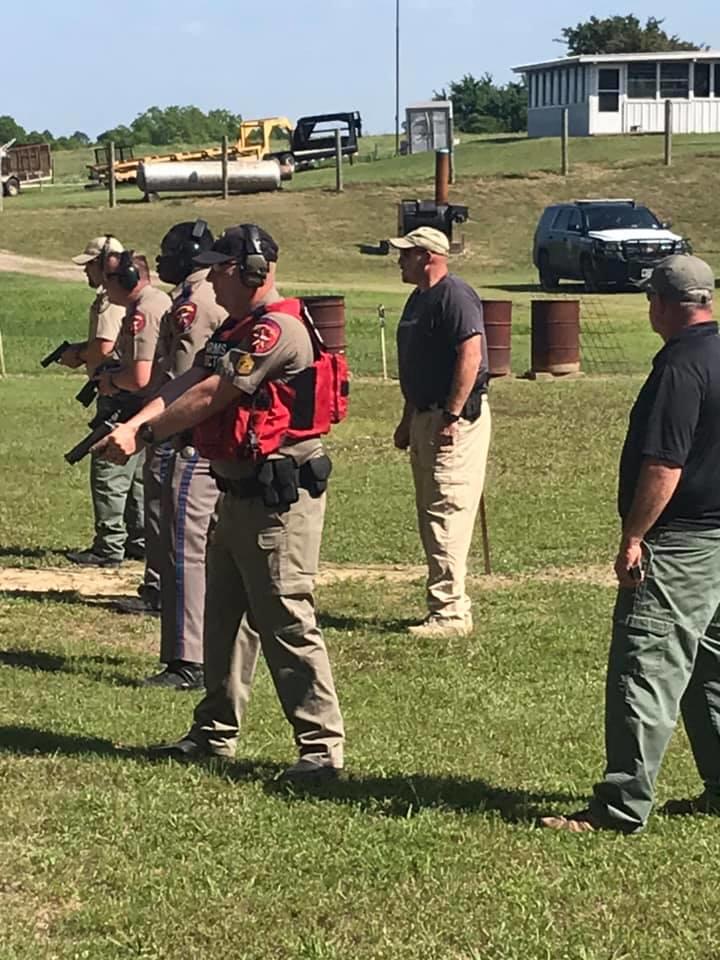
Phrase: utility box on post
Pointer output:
(429, 126)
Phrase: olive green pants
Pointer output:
(664, 659)
(117, 498)
(261, 571)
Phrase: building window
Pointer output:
(642, 81)
(702, 80)
(581, 85)
(716, 70)
(674, 80)
(608, 90)
(555, 76)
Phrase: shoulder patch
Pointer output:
(265, 336)
(184, 315)
(137, 324)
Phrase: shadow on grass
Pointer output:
(30, 740)
(30, 552)
(101, 601)
(79, 666)
(330, 621)
(407, 796)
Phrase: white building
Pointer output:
(624, 93)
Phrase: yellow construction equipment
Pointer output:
(254, 142)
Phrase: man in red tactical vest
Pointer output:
(255, 401)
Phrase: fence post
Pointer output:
(112, 193)
(338, 162)
(565, 153)
(668, 132)
(225, 183)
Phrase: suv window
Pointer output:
(575, 221)
(613, 216)
(561, 220)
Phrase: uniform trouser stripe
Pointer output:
(180, 525)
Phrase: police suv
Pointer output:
(604, 242)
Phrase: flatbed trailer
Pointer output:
(25, 165)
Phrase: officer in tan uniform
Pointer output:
(264, 552)
(117, 493)
(181, 496)
(127, 281)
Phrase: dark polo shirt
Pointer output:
(433, 324)
(676, 420)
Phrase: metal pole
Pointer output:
(338, 162)
(225, 184)
(112, 193)
(668, 132)
(383, 351)
(397, 78)
(564, 145)
(451, 147)
(485, 536)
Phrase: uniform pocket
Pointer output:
(272, 542)
(645, 643)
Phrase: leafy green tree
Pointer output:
(10, 130)
(621, 35)
(481, 106)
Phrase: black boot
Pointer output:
(178, 675)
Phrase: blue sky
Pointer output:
(89, 66)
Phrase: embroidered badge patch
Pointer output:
(137, 324)
(184, 316)
(265, 336)
(244, 365)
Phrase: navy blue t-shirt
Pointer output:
(676, 420)
(433, 324)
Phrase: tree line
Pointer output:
(156, 126)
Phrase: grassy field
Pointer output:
(427, 849)
(321, 233)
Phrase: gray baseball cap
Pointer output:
(683, 278)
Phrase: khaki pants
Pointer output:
(189, 499)
(158, 465)
(664, 659)
(449, 482)
(261, 570)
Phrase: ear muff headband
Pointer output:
(254, 270)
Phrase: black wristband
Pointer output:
(450, 417)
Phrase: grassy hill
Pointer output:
(505, 183)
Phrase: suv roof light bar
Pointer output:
(606, 200)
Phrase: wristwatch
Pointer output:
(145, 433)
(450, 417)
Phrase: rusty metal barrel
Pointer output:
(555, 336)
(498, 329)
(442, 176)
(328, 313)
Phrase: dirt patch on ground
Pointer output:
(102, 584)
(39, 267)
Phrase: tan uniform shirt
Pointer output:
(141, 326)
(105, 318)
(186, 327)
(277, 347)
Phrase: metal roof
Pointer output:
(621, 58)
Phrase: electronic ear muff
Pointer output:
(254, 269)
(127, 274)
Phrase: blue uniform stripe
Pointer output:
(180, 525)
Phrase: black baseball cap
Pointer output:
(235, 243)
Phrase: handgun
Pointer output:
(54, 357)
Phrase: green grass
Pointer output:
(320, 232)
(427, 851)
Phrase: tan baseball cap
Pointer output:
(427, 238)
(683, 278)
(96, 247)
